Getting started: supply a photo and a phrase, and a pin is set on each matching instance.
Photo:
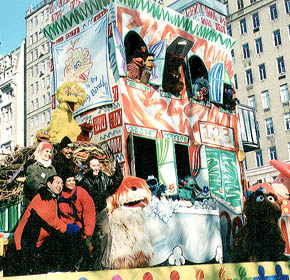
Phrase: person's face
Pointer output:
(56, 186)
(149, 62)
(67, 152)
(46, 154)
(70, 183)
(95, 166)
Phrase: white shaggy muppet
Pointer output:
(131, 246)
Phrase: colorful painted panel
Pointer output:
(75, 60)
(224, 176)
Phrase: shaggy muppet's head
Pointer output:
(70, 96)
(262, 207)
(132, 193)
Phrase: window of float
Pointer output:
(182, 160)
(145, 157)
(175, 66)
(134, 47)
(161, 158)
(198, 75)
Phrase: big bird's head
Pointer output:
(132, 193)
(70, 96)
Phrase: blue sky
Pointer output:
(12, 23)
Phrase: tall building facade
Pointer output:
(11, 100)
(38, 80)
(262, 77)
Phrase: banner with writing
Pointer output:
(75, 60)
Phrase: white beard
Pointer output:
(131, 246)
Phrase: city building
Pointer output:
(11, 100)
(38, 79)
(262, 77)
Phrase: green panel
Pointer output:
(12, 217)
(3, 214)
(167, 165)
(214, 172)
(230, 178)
(223, 175)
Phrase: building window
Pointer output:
(31, 72)
(233, 56)
(287, 121)
(262, 71)
(273, 12)
(259, 158)
(287, 6)
(252, 1)
(36, 121)
(48, 116)
(36, 70)
(36, 87)
(265, 99)
(42, 66)
(31, 24)
(249, 77)
(246, 51)
(256, 21)
(31, 39)
(243, 26)
(229, 30)
(280, 65)
(43, 83)
(269, 127)
(289, 31)
(32, 122)
(31, 105)
(277, 38)
(284, 93)
(31, 89)
(36, 53)
(272, 153)
(236, 81)
(43, 99)
(252, 101)
(240, 4)
(43, 118)
(259, 46)
(48, 81)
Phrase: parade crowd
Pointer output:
(64, 224)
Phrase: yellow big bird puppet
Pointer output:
(70, 96)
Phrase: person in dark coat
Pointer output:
(38, 172)
(39, 221)
(100, 186)
(75, 205)
(63, 160)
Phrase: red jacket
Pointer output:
(38, 221)
(78, 207)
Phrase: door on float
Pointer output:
(223, 172)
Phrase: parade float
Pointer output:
(180, 127)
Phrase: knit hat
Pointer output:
(64, 142)
(45, 145)
(283, 167)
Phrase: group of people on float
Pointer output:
(64, 226)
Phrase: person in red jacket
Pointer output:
(75, 205)
(39, 221)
